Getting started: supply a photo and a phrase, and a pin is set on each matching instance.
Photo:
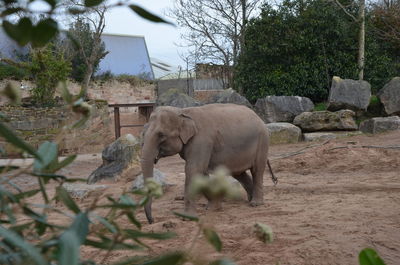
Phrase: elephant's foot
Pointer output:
(254, 203)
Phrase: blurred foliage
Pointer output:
(13, 72)
(296, 48)
(38, 26)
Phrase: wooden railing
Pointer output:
(144, 110)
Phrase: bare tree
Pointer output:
(95, 18)
(214, 28)
(386, 19)
(361, 34)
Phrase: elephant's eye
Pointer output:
(162, 136)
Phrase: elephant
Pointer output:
(206, 137)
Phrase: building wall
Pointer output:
(127, 54)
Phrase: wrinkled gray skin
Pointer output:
(206, 137)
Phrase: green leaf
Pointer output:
(368, 256)
(108, 244)
(139, 234)
(48, 152)
(69, 248)
(133, 220)
(129, 261)
(168, 259)
(43, 32)
(10, 11)
(20, 32)
(80, 226)
(147, 15)
(90, 3)
(76, 11)
(25, 194)
(213, 238)
(66, 95)
(17, 241)
(4, 169)
(126, 200)
(187, 216)
(16, 141)
(47, 176)
(107, 224)
(63, 196)
(57, 166)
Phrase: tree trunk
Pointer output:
(86, 80)
(361, 41)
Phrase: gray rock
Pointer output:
(282, 108)
(119, 157)
(326, 121)
(389, 95)
(349, 94)
(158, 176)
(229, 96)
(175, 98)
(81, 191)
(283, 133)
(323, 136)
(380, 124)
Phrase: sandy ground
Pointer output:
(328, 205)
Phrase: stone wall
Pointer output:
(112, 91)
(36, 125)
(205, 95)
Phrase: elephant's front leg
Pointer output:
(192, 169)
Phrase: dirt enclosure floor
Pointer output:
(332, 200)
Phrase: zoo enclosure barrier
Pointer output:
(144, 110)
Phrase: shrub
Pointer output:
(48, 67)
(13, 72)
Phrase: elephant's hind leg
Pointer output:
(246, 182)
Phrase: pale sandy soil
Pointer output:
(329, 204)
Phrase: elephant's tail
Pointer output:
(274, 179)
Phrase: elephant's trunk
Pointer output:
(149, 155)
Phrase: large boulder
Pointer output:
(121, 159)
(282, 108)
(283, 133)
(349, 94)
(389, 95)
(173, 97)
(326, 121)
(323, 136)
(81, 191)
(380, 124)
(229, 96)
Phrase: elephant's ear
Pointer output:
(188, 128)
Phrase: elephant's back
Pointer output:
(228, 118)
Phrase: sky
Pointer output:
(160, 38)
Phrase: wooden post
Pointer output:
(117, 123)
